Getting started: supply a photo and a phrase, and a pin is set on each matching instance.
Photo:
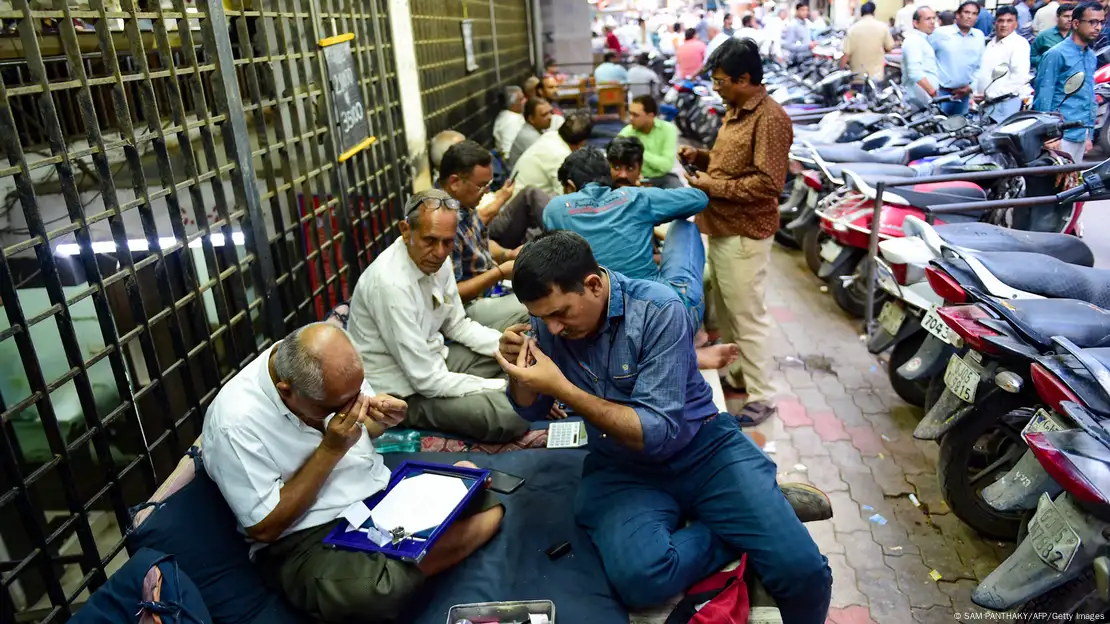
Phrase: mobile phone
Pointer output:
(503, 482)
(512, 177)
(690, 169)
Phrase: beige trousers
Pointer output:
(738, 300)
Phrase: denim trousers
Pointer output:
(682, 266)
(661, 527)
(955, 107)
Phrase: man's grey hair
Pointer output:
(302, 366)
(512, 96)
(415, 207)
(441, 143)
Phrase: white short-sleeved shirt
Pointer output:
(253, 445)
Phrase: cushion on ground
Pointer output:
(196, 526)
(118, 599)
(513, 566)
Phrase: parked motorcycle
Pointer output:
(1061, 566)
(1018, 142)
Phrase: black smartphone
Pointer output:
(690, 169)
(512, 177)
(503, 482)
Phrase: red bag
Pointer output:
(724, 596)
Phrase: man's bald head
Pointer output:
(318, 370)
(441, 143)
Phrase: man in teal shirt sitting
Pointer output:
(1051, 36)
(619, 224)
(660, 139)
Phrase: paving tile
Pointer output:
(845, 589)
(866, 440)
(781, 314)
(869, 402)
(825, 536)
(847, 411)
(888, 475)
(959, 592)
(888, 604)
(807, 441)
(792, 413)
(927, 491)
(830, 386)
(823, 474)
(828, 426)
(846, 514)
(932, 615)
(861, 551)
(916, 584)
(812, 398)
(850, 615)
(798, 379)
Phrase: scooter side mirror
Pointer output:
(953, 123)
(1000, 72)
(1074, 83)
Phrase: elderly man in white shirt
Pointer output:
(539, 165)
(288, 441)
(1006, 48)
(406, 307)
(509, 121)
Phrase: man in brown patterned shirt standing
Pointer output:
(743, 175)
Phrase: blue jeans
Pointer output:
(955, 107)
(682, 266)
(635, 515)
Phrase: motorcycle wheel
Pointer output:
(1077, 596)
(811, 246)
(852, 296)
(974, 454)
(911, 391)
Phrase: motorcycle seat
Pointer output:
(1084, 324)
(1048, 277)
(925, 195)
(870, 171)
(987, 237)
(850, 153)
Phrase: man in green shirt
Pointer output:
(1050, 37)
(660, 139)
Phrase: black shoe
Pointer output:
(810, 503)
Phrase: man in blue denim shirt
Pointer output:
(959, 48)
(1065, 59)
(618, 352)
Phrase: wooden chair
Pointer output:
(612, 95)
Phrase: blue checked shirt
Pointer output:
(471, 255)
(1063, 60)
(643, 358)
(958, 55)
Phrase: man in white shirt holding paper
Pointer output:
(406, 307)
(289, 443)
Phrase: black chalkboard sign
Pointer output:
(354, 129)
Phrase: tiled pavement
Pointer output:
(842, 428)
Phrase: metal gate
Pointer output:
(453, 96)
(172, 204)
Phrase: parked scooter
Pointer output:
(1061, 565)
(1019, 142)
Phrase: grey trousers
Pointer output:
(486, 416)
(497, 312)
(520, 218)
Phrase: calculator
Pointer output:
(566, 435)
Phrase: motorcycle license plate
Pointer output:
(891, 318)
(830, 250)
(933, 324)
(962, 378)
(1053, 539)
(1042, 421)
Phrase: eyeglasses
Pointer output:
(1097, 23)
(433, 203)
(483, 188)
(718, 82)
